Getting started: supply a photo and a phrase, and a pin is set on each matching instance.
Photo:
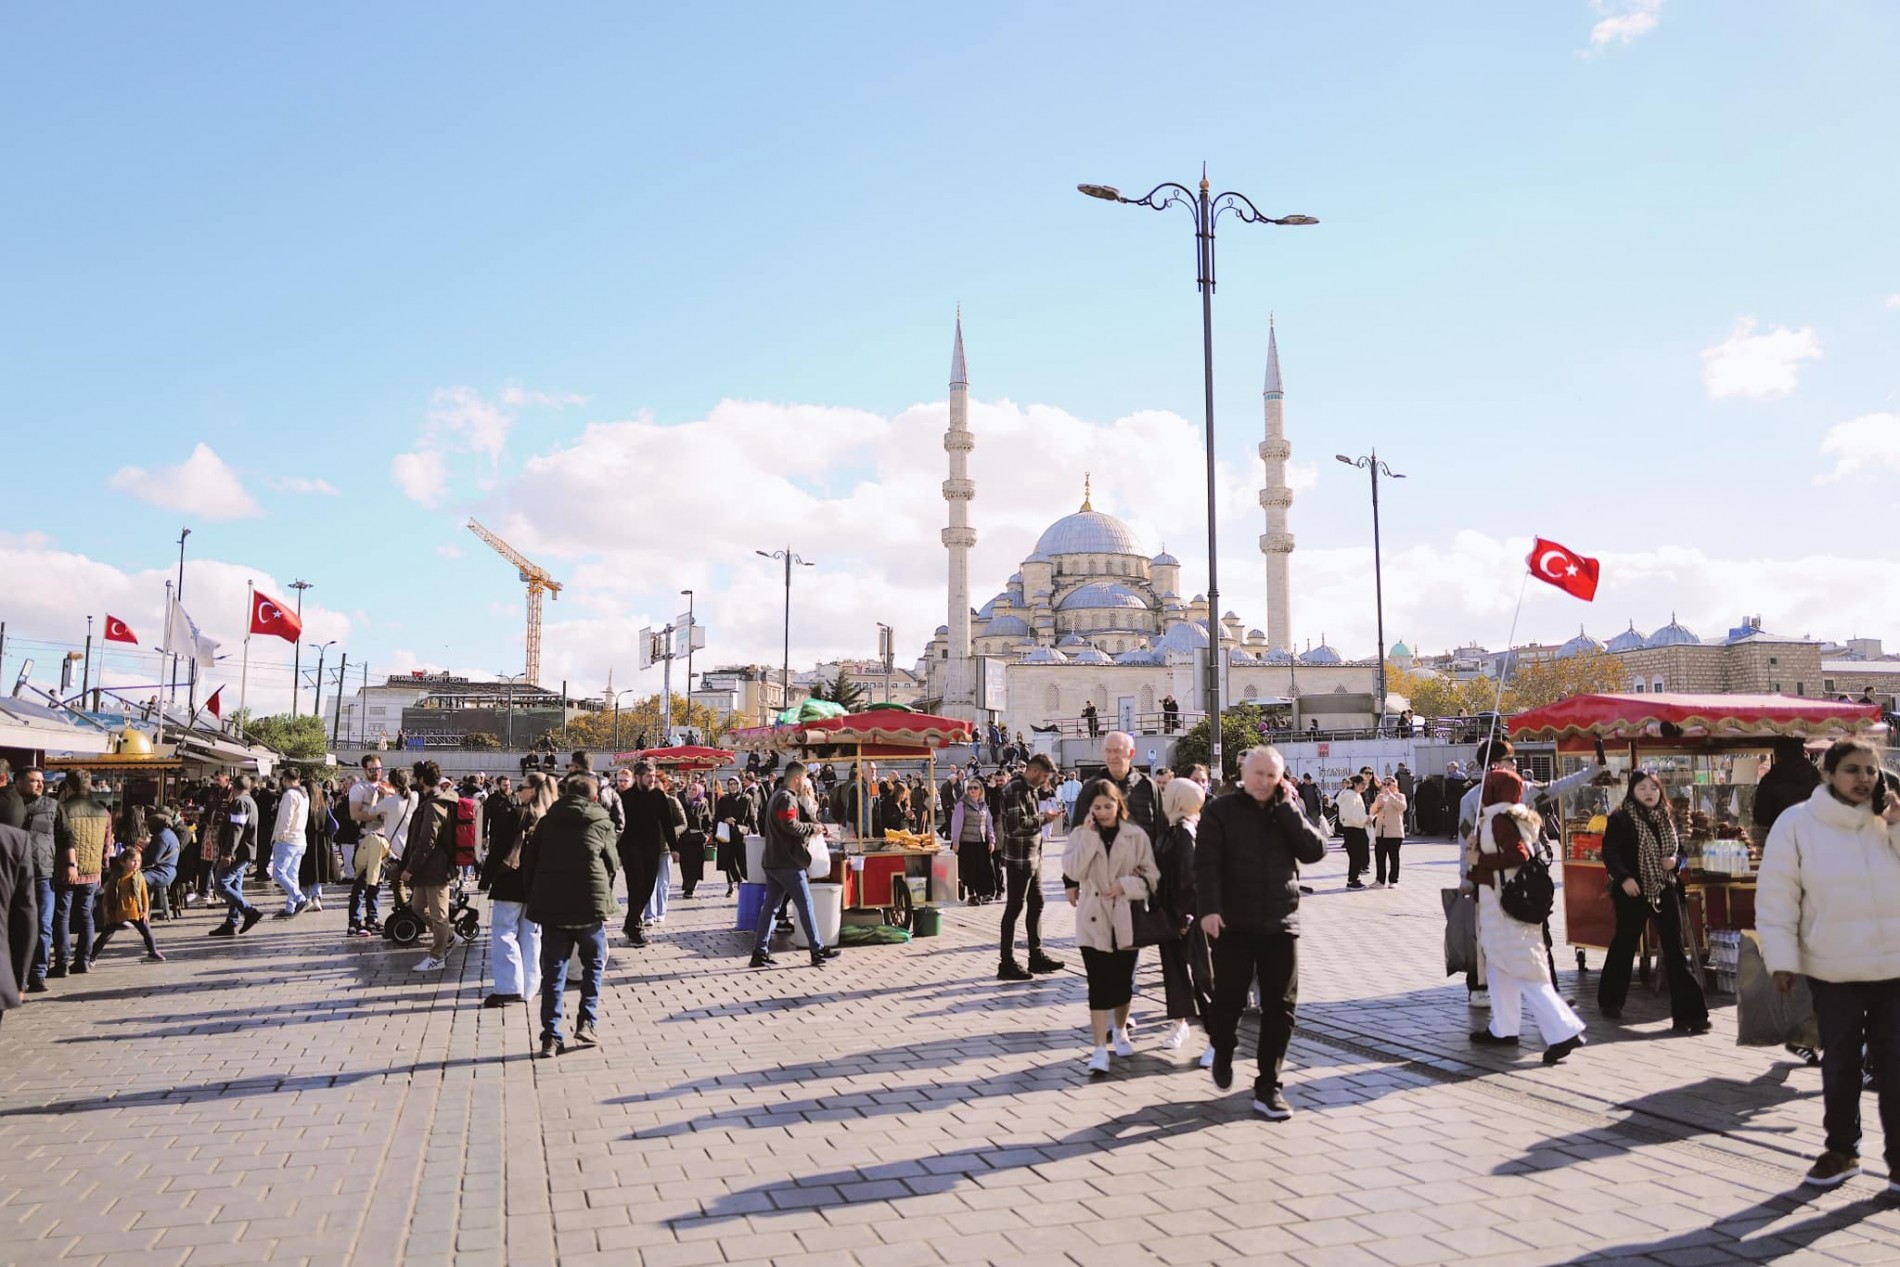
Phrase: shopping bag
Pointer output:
(1461, 931)
(723, 833)
(1765, 1017)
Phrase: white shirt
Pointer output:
(293, 816)
(394, 814)
(362, 803)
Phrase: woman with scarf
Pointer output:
(693, 841)
(737, 813)
(973, 836)
(1515, 967)
(1641, 853)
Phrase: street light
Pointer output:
(617, 694)
(296, 653)
(1206, 211)
(887, 652)
(1371, 464)
(511, 678)
(689, 658)
(317, 709)
(785, 670)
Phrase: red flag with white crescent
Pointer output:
(1565, 568)
(268, 616)
(212, 705)
(118, 631)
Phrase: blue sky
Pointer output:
(284, 233)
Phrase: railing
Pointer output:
(1155, 723)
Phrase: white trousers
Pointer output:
(1555, 1019)
(656, 904)
(516, 949)
(285, 859)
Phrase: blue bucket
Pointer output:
(751, 898)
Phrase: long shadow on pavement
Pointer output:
(1730, 1232)
(240, 1087)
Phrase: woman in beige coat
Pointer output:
(1388, 832)
(1109, 863)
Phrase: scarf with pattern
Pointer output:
(1655, 846)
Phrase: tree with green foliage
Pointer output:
(303, 737)
(841, 690)
(482, 741)
(1242, 727)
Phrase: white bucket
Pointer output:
(755, 860)
(827, 907)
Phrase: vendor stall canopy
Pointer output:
(875, 733)
(1665, 718)
(688, 757)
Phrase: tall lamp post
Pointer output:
(689, 656)
(316, 709)
(511, 678)
(887, 652)
(617, 694)
(1206, 210)
(296, 651)
(1373, 466)
(785, 669)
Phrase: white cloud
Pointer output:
(449, 552)
(1623, 20)
(1757, 366)
(1870, 442)
(298, 484)
(422, 476)
(201, 484)
(461, 420)
(1893, 302)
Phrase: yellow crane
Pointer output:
(538, 582)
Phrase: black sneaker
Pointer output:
(636, 938)
(222, 930)
(1039, 962)
(819, 958)
(1485, 1038)
(1010, 970)
(57, 970)
(1223, 1069)
(1355, 884)
(1832, 1169)
(1272, 1106)
(250, 920)
(584, 1034)
(1557, 1051)
(1692, 1027)
(762, 961)
(36, 985)
(81, 969)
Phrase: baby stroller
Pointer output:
(405, 925)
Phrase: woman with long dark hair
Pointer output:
(1644, 859)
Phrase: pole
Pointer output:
(1378, 591)
(691, 628)
(785, 669)
(336, 726)
(666, 688)
(244, 673)
(316, 708)
(85, 673)
(179, 596)
(296, 652)
(616, 723)
(1204, 234)
(510, 724)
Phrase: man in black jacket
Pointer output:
(1246, 883)
(791, 820)
(237, 846)
(1021, 819)
(1137, 789)
(648, 833)
(19, 913)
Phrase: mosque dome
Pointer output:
(1102, 594)
(1237, 655)
(1165, 560)
(1183, 635)
(1045, 655)
(1038, 557)
(1091, 656)
(943, 629)
(1072, 642)
(1672, 635)
(989, 609)
(1088, 532)
(1277, 657)
(1322, 654)
(1006, 625)
(1628, 640)
(1140, 655)
(1578, 645)
(1260, 635)
(1399, 649)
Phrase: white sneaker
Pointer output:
(1480, 999)
(1176, 1036)
(1376, 884)
(1207, 1058)
(1098, 1063)
(1122, 1046)
(430, 964)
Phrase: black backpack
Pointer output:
(1531, 894)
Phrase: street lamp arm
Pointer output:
(1177, 195)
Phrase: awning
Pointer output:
(1664, 718)
(36, 728)
(880, 733)
(222, 752)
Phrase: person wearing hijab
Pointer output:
(1641, 853)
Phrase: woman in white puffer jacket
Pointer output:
(1827, 905)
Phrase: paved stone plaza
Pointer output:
(297, 1097)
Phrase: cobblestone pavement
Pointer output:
(294, 1097)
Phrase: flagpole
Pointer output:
(171, 689)
(244, 674)
(1504, 669)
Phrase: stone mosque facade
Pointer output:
(1092, 617)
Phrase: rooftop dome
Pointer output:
(989, 609)
(1256, 635)
(1628, 640)
(1102, 594)
(1038, 557)
(943, 629)
(1165, 560)
(1235, 655)
(1277, 657)
(1073, 640)
(1091, 656)
(1398, 649)
(1578, 645)
(1140, 655)
(1015, 578)
(1045, 655)
(1322, 654)
(1088, 532)
(1672, 635)
(1005, 625)
(1183, 635)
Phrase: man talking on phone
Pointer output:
(1246, 886)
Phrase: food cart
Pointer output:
(888, 877)
(690, 759)
(1708, 751)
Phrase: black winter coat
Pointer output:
(504, 883)
(19, 913)
(1174, 855)
(1144, 807)
(1247, 860)
(651, 825)
(571, 884)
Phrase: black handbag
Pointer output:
(1531, 894)
(1153, 924)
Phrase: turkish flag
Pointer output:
(118, 631)
(1566, 569)
(268, 616)
(213, 707)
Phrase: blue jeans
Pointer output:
(1850, 1014)
(43, 949)
(72, 915)
(557, 944)
(230, 882)
(363, 901)
(781, 883)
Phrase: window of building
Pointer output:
(1800, 688)
(1775, 687)
(1639, 688)
(1827, 684)
(1656, 686)
(1774, 659)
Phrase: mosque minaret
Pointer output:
(959, 680)
(1275, 498)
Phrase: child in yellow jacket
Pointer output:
(127, 901)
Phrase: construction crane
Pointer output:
(538, 582)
